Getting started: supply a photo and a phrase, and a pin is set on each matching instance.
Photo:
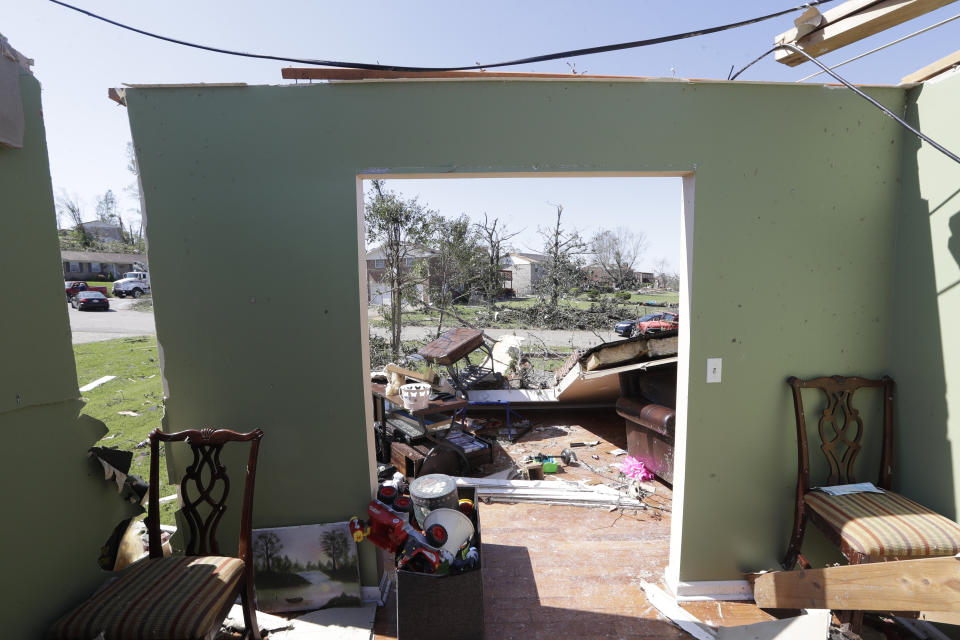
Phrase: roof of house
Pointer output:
(99, 256)
(101, 224)
(376, 253)
(526, 257)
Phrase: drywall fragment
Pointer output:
(96, 383)
(668, 607)
(814, 625)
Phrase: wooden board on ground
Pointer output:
(929, 584)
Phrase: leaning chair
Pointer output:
(180, 597)
(867, 527)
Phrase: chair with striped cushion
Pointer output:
(180, 597)
(866, 526)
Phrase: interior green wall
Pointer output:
(794, 217)
(58, 510)
(925, 313)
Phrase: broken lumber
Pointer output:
(430, 377)
(851, 22)
(928, 584)
(555, 492)
(933, 69)
(627, 350)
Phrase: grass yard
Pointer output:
(477, 314)
(136, 388)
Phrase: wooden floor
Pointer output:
(571, 572)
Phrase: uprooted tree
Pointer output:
(399, 228)
(616, 252)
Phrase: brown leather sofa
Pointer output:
(648, 404)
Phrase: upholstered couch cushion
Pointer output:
(169, 598)
(887, 525)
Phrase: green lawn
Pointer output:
(136, 388)
(477, 314)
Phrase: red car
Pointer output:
(655, 323)
(73, 288)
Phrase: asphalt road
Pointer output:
(552, 338)
(119, 322)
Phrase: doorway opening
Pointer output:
(580, 286)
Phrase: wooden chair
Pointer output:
(867, 527)
(180, 597)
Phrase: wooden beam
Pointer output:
(850, 22)
(325, 73)
(118, 95)
(929, 584)
(934, 69)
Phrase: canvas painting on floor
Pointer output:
(305, 567)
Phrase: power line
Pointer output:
(884, 46)
(385, 67)
(936, 145)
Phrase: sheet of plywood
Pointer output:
(814, 625)
(851, 22)
(929, 584)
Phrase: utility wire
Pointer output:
(884, 46)
(386, 67)
(936, 145)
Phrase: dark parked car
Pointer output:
(647, 325)
(86, 300)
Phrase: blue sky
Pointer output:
(78, 58)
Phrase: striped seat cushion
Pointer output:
(887, 525)
(165, 598)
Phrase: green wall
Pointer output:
(796, 187)
(925, 343)
(58, 510)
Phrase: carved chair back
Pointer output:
(203, 490)
(841, 428)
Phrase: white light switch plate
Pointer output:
(714, 369)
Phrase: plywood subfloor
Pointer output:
(571, 572)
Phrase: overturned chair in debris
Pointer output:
(181, 597)
(452, 350)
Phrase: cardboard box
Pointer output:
(442, 607)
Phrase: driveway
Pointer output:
(119, 322)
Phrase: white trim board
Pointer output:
(707, 590)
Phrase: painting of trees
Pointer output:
(335, 545)
(267, 548)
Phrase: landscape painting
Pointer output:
(305, 568)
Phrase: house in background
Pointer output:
(378, 284)
(103, 231)
(94, 265)
(525, 269)
(597, 276)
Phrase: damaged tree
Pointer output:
(455, 265)
(494, 236)
(563, 265)
(616, 252)
(397, 226)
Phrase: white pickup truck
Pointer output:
(135, 283)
